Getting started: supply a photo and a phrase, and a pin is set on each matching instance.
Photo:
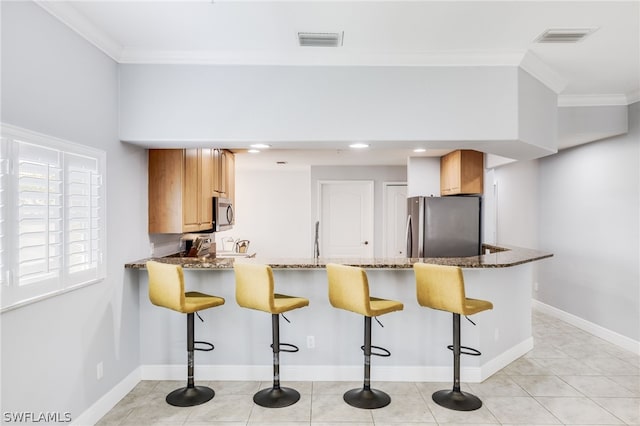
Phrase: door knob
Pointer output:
(366, 243)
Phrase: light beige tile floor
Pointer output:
(570, 377)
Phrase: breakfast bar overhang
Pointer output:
(329, 339)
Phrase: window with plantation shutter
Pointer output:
(52, 191)
(4, 164)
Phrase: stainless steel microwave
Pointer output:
(223, 215)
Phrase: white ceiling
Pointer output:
(604, 69)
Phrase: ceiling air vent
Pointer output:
(564, 35)
(320, 39)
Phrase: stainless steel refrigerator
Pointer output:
(443, 226)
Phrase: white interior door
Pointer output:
(395, 219)
(346, 219)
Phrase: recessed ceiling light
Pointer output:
(253, 151)
(260, 145)
(419, 150)
(359, 145)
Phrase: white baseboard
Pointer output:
(264, 373)
(595, 329)
(507, 357)
(337, 373)
(102, 406)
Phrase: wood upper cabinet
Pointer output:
(461, 172)
(230, 159)
(206, 191)
(180, 190)
(224, 173)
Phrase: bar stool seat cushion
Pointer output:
(473, 306)
(349, 290)
(196, 301)
(442, 287)
(383, 306)
(255, 290)
(166, 289)
(283, 303)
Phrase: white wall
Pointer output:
(423, 176)
(284, 103)
(537, 113)
(478, 107)
(516, 197)
(54, 82)
(378, 174)
(577, 125)
(273, 211)
(589, 209)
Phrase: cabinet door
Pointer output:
(217, 178)
(444, 177)
(231, 176)
(206, 192)
(165, 190)
(191, 191)
(224, 190)
(472, 172)
(450, 173)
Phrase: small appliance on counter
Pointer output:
(242, 246)
(227, 244)
(234, 248)
(201, 247)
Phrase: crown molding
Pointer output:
(633, 97)
(593, 100)
(307, 57)
(69, 15)
(532, 64)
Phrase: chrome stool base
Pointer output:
(276, 397)
(367, 398)
(457, 400)
(190, 396)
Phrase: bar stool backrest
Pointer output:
(254, 286)
(166, 285)
(440, 287)
(348, 288)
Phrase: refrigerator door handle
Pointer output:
(409, 237)
(421, 226)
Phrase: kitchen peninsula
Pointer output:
(330, 339)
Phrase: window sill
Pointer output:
(50, 295)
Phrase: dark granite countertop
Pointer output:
(495, 257)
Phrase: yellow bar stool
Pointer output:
(349, 290)
(255, 290)
(442, 287)
(166, 289)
